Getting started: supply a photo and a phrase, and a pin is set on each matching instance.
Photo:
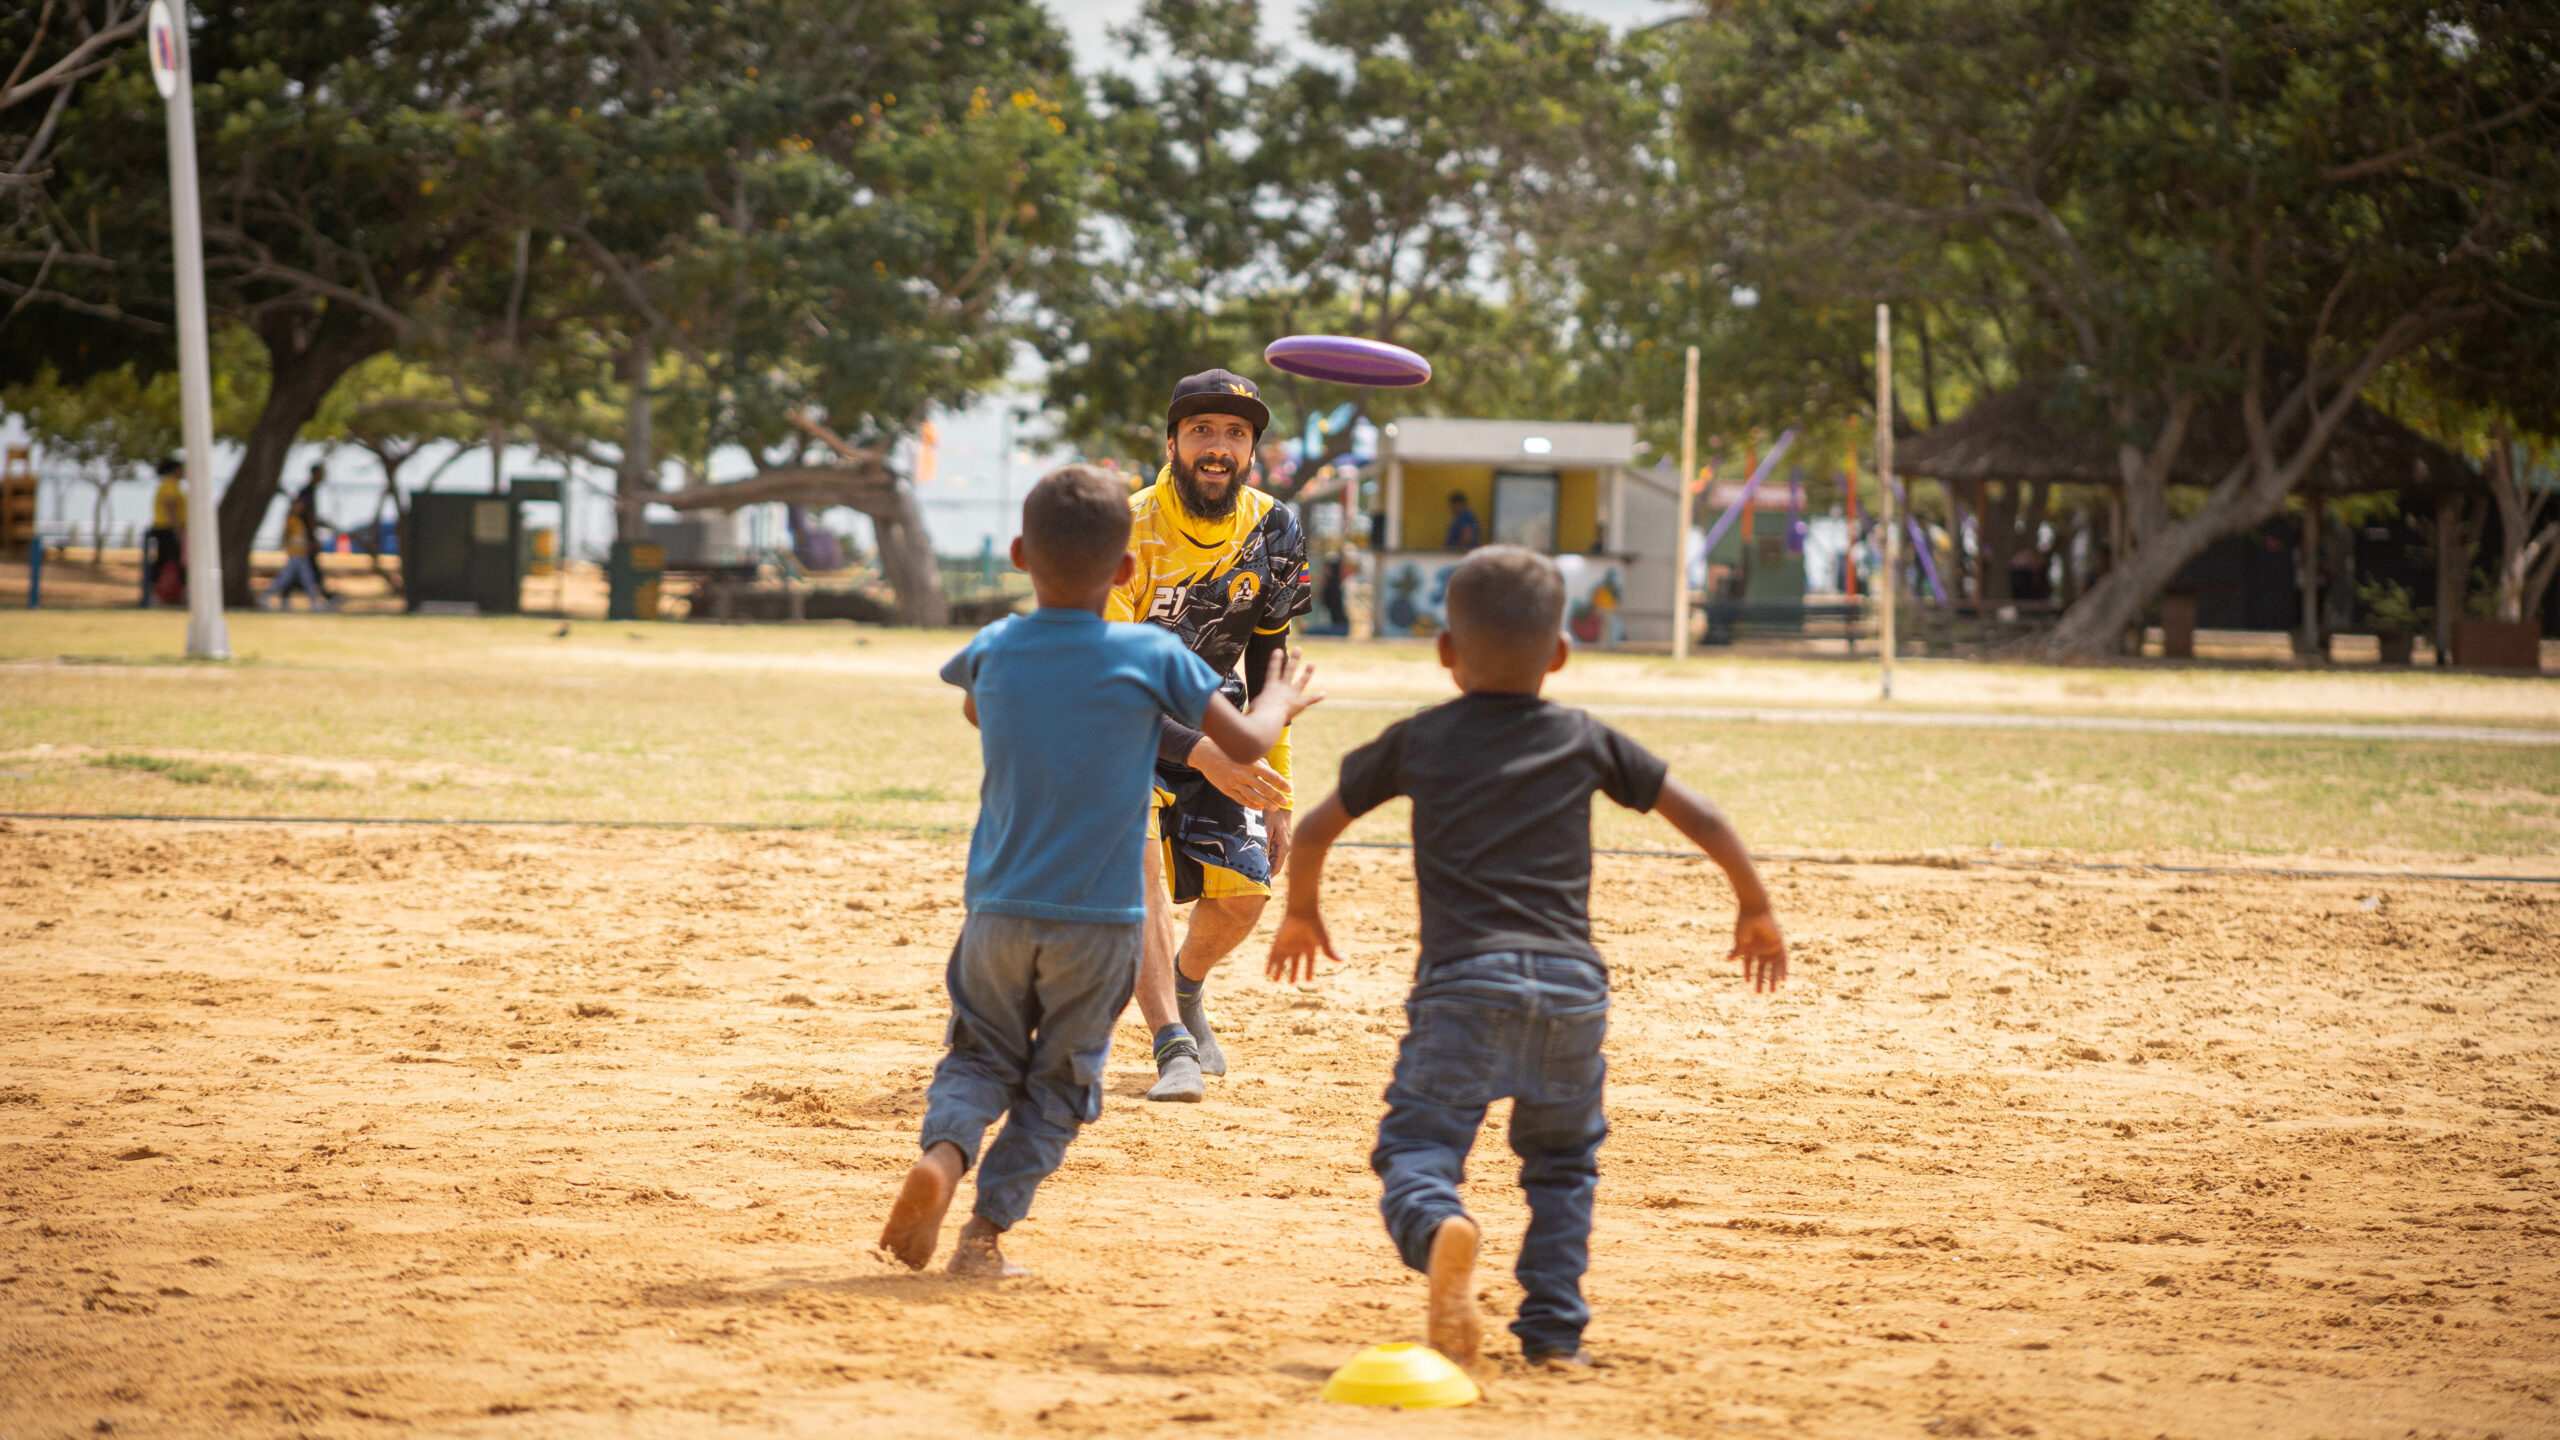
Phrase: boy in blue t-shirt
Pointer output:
(1068, 711)
(1510, 998)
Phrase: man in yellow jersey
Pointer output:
(1224, 567)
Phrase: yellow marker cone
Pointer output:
(1408, 1377)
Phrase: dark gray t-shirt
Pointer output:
(1501, 788)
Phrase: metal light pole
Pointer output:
(208, 637)
(1892, 514)
(1680, 544)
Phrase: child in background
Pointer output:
(1067, 708)
(1509, 998)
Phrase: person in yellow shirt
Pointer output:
(302, 551)
(160, 545)
(1224, 567)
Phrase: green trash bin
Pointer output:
(632, 575)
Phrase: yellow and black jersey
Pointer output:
(1214, 583)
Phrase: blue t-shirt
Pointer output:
(1067, 707)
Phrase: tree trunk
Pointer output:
(390, 499)
(635, 479)
(2523, 540)
(907, 560)
(2093, 626)
(2537, 582)
(2308, 575)
(2249, 494)
(2455, 538)
(307, 351)
(1994, 538)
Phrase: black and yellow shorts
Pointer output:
(1214, 848)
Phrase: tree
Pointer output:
(115, 425)
(1407, 185)
(395, 409)
(111, 429)
(50, 51)
(742, 217)
(339, 199)
(2183, 210)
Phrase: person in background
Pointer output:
(160, 548)
(1329, 593)
(1465, 531)
(320, 543)
(302, 551)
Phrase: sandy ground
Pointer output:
(1408, 671)
(347, 1132)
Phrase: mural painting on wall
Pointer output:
(1418, 595)
(1593, 591)
(1417, 590)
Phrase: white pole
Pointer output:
(1884, 476)
(1680, 530)
(208, 638)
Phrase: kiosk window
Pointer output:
(1524, 509)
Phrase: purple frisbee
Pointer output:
(1347, 360)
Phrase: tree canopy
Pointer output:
(642, 232)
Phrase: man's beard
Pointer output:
(1196, 501)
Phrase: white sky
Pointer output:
(1088, 22)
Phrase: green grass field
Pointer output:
(838, 726)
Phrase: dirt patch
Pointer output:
(291, 1143)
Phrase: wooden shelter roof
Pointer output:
(2029, 433)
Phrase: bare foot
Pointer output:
(978, 1256)
(1456, 1329)
(915, 1222)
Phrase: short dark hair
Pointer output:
(1457, 497)
(1507, 599)
(1075, 524)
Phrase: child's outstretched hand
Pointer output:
(1761, 949)
(1290, 682)
(1301, 939)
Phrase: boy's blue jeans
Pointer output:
(1032, 1006)
(1486, 1027)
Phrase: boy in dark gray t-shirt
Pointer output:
(1510, 998)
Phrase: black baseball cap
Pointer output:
(1221, 391)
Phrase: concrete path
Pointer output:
(1969, 720)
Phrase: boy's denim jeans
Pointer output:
(1486, 1027)
(1032, 1006)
